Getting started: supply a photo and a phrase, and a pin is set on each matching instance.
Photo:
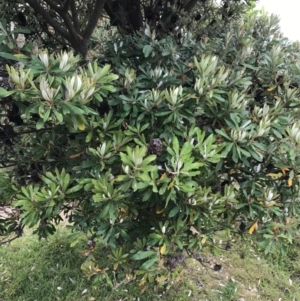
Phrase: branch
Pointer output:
(75, 16)
(63, 12)
(53, 5)
(92, 23)
(66, 5)
(40, 10)
(114, 19)
(10, 165)
(34, 131)
(69, 24)
(2, 242)
(18, 231)
(191, 4)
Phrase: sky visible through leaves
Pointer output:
(288, 11)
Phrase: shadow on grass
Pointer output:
(50, 270)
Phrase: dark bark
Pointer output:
(75, 15)
(126, 14)
(191, 4)
(70, 28)
(94, 17)
(114, 19)
(47, 17)
(134, 13)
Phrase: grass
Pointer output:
(50, 270)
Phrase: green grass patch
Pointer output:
(49, 270)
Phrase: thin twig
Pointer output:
(3, 241)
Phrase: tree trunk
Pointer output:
(134, 14)
(126, 14)
(80, 45)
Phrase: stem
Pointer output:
(93, 20)
(47, 17)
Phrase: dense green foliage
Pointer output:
(159, 143)
(70, 23)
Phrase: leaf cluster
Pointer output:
(157, 146)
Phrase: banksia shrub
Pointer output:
(161, 146)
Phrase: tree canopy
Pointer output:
(73, 22)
